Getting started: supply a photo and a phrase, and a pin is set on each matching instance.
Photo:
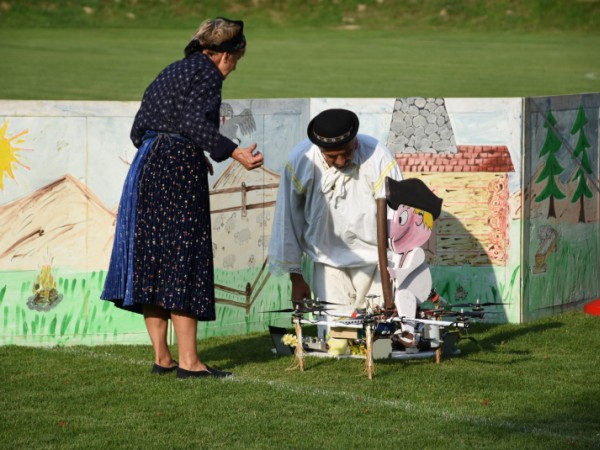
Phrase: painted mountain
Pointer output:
(64, 224)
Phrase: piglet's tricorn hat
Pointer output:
(333, 128)
(412, 192)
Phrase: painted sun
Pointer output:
(9, 153)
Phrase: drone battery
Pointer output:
(382, 348)
(344, 333)
(314, 345)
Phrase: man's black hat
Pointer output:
(412, 192)
(333, 128)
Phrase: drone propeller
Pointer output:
(285, 310)
(297, 310)
(475, 306)
(464, 314)
(308, 301)
(469, 305)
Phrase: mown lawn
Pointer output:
(529, 386)
(532, 386)
(118, 64)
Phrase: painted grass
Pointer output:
(520, 386)
(118, 64)
(81, 318)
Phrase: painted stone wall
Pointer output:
(62, 166)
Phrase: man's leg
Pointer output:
(367, 286)
(333, 285)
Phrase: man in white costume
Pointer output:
(326, 211)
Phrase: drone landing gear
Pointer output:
(446, 347)
(299, 351)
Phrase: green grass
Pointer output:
(483, 15)
(520, 386)
(111, 50)
(118, 64)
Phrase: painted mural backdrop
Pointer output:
(561, 204)
(62, 166)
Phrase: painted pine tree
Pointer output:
(583, 190)
(552, 167)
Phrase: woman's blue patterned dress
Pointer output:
(162, 252)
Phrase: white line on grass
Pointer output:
(447, 415)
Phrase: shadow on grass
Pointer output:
(235, 351)
(492, 343)
(247, 349)
(496, 336)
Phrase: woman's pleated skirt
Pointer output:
(162, 253)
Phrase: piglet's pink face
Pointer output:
(407, 230)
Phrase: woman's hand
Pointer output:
(247, 158)
(209, 165)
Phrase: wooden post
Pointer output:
(299, 350)
(369, 355)
(386, 283)
(244, 199)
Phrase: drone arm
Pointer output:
(435, 323)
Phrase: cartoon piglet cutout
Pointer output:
(415, 207)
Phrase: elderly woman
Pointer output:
(162, 263)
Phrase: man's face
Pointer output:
(341, 157)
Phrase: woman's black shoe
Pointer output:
(160, 370)
(219, 373)
(208, 373)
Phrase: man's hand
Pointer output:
(247, 158)
(300, 288)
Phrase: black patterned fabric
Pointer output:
(185, 99)
(173, 260)
(162, 253)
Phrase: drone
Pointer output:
(436, 329)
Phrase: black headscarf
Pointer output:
(237, 42)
